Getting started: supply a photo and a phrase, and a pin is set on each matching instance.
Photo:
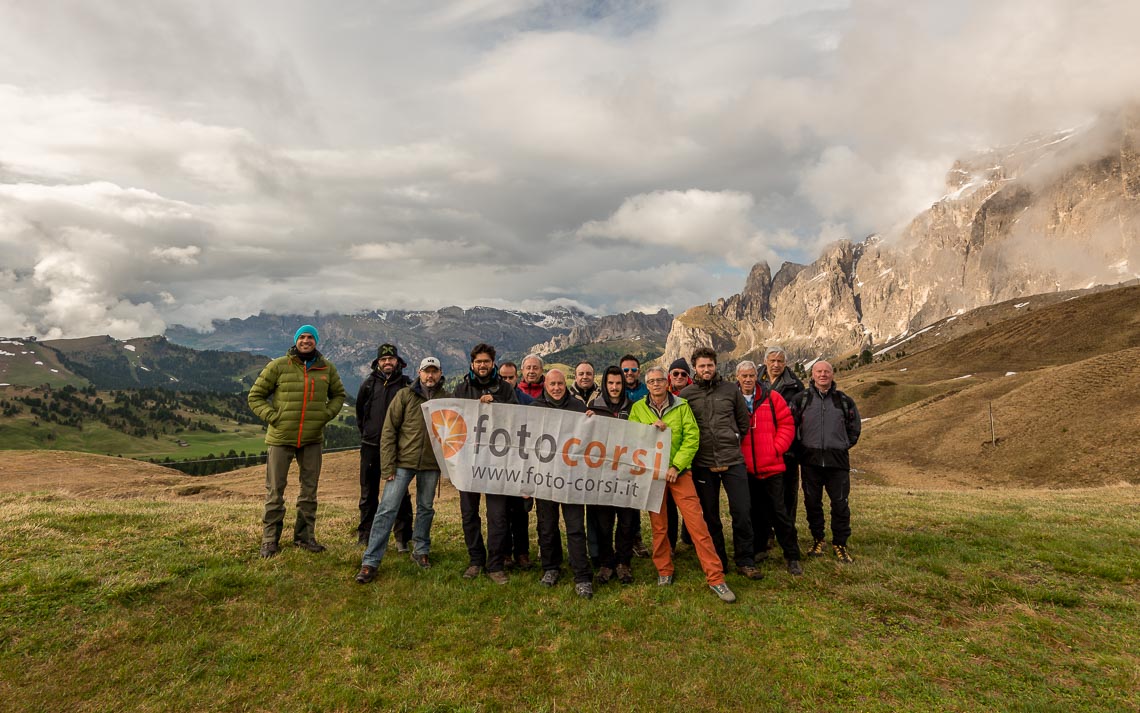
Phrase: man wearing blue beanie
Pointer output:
(296, 394)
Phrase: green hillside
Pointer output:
(26, 362)
(603, 354)
(154, 362)
(152, 424)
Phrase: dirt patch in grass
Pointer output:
(95, 476)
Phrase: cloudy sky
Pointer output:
(166, 162)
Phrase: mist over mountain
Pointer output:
(1051, 213)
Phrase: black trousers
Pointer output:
(612, 550)
(735, 482)
(673, 521)
(763, 527)
(550, 539)
(837, 483)
(370, 496)
(791, 478)
(768, 513)
(492, 555)
(518, 526)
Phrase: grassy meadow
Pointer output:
(96, 437)
(958, 601)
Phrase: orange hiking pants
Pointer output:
(685, 495)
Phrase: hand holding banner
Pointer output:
(549, 454)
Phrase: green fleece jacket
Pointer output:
(404, 440)
(303, 399)
(682, 423)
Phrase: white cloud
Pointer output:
(166, 162)
(699, 222)
(177, 256)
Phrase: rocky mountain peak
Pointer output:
(1054, 212)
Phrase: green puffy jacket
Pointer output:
(682, 423)
(304, 399)
(404, 440)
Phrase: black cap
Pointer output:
(682, 365)
(387, 350)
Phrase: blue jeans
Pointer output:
(394, 492)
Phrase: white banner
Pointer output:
(548, 453)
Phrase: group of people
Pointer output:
(754, 437)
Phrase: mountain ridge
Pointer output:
(1053, 213)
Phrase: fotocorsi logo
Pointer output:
(450, 430)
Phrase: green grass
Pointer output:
(21, 369)
(603, 354)
(956, 601)
(20, 434)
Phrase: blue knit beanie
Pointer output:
(307, 329)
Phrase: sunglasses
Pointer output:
(630, 369)
(679, 373)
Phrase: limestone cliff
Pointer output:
(1052, 213)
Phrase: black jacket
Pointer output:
(788, 386)
(373, 399)
(602, 405)
(568, 403)
(722, 415)
(584, 397)
(472, 387)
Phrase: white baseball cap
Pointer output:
(429, 362)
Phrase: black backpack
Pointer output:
(841, 401)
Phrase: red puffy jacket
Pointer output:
(771, 434)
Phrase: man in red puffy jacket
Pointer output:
(770, 434)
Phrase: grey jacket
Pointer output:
(827, 427)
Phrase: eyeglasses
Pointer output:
(630, 369)
(655, 381)
(679, 373)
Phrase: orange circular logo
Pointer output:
(450, 430)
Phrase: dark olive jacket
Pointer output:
(296, 400)
(405, 441)
(722, 414)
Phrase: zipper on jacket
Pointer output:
(304, 404)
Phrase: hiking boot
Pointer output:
(550, 578)
(421, 561)
(639, 550)
(584, 590)
(664, 580)
(473, 571)
(500, 577)
(817, 549)
(523, 562)
(841, 554)
(268, 549)
(366, 574)
(761, 555)
(362, 538)
(605, 574)
(722, 591)
(309, 545)
(795, 568)
(402, 546)
(625, 574)
(750, 572)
